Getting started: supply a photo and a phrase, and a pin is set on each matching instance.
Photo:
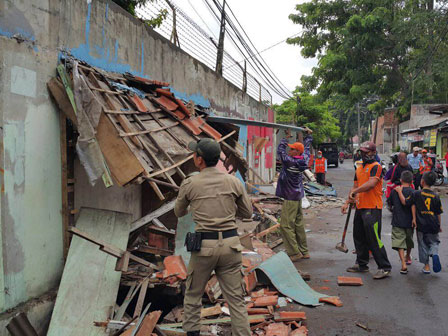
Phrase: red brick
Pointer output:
(349, 281)
(251, 281)
(324, 288)
(257, 311)
(301, 331)
(263, 292)
(174, 267)
(285, 316)
(277, 329)
(334, 300)
(265, 301)
(327, 280)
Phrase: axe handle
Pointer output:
(346, 223)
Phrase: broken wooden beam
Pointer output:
(167, 207)
(110, 249)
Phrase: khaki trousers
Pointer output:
(224, 257)
(292, 228)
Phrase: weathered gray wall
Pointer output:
(32, 35)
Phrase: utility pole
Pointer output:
(222, 31)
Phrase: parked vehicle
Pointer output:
(330, 152)
(438, 169)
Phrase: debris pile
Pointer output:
(128, 277)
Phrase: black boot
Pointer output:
(193, 333)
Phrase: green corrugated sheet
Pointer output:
(89, 284)
(284, 276)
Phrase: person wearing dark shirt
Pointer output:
(400, 201)
(402, 166)
(426, 216)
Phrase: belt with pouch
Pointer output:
(214, 235)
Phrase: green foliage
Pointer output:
(393, 49)
(131, 5)
(312, 113)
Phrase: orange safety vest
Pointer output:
(320, 165)
(426, 167)
(371, 199)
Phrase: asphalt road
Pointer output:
(412, 304)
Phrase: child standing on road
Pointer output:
(426, 216)
(400, 201)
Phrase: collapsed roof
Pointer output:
(133, 129)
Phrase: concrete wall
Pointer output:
(32, 35)
(420, 113)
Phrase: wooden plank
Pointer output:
(156, 189)
(211, 311)
(64, 183)
(188, 157)
(131, 112)
(109, 248)
(59, 94)
(149, 131)
(149, 323)
(123, 263)
(225, 320)
(148, 150)
(141, 297)
(155, 214)
(181, 162)
(161, 149)
(89, 283)
(131, 293)
(163, 183)
(137, 153)
(147, 326)
(123, 164)
(153, 250)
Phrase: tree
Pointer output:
(395, 49)
(131, 5)
(311, 113)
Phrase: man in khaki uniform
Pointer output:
(215, 199)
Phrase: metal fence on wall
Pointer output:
(197, 43)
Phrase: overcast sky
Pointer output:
(266, 22)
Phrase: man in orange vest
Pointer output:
(367, 194)
(425, 167)
(320, 168)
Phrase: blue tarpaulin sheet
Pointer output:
(185, 224)
(286, 279)
(315, 189)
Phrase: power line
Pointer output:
(211, 31)
(199, 44)
(255, 66)
(266, 49)
(250, 41)
(279, 88)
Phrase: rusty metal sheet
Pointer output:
(286, 279)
